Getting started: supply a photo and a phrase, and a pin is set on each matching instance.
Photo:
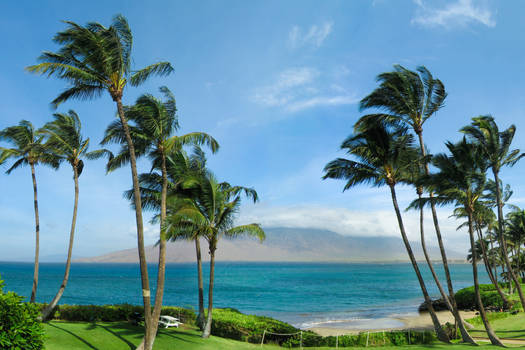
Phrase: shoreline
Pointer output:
(420, 321)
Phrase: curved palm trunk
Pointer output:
(207, 327)
(490, 332)
(489, 270)
(47, 312)
(452, 300)
(200, 316)
(37, 234)
(161, 276)
(427, 257)
(504, 243)
(441, 335)
(146, 295)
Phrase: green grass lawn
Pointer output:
(123, 336)
(512, 327)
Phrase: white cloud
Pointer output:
(321, 101)
(353, 222)
(297, 89)
(460, 12)
(312, 37)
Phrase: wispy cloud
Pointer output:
(313, 37)
(457, 13)
(298, 89)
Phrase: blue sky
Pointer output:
(277, 84)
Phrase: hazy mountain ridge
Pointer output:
(287, 244)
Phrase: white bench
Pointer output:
(168, 321)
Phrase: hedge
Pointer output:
(115, 313)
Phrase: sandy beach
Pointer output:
(421, 321)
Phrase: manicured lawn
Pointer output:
(123, 336)
(512, 327)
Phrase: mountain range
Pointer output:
(286, 244)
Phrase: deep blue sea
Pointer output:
(304, 294)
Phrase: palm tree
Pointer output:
(382, 160)
(483, 217)
(66, 142)
(211, 213)
(153, 123)
(181, 169)
(461, 180)
(495, 146)
(94, 59)
(29, 149)
(516, 231)
(410, 98)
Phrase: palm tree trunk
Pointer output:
(489, 271)
(47, 312)
(146, 295)
(490, 332)
(161, 276)
(37, 234)
(427, 257)
(504, 243)
(452, 300)
(207, 328)
(441, 335)
(200, 316)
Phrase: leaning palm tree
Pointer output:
(382, 160)
(461, 180)
(29, 149)
(65, 140)
(495, 146)
(211, 213)
(94, 59)
(409, 98)
(153, 124)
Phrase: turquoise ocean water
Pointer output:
(304, 294)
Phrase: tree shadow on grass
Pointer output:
(91, 346)
(109, 330)
(174, 334)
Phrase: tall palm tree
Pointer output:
(181, 169)
(413, 176)
(94, 59)
(28, 149)
(461, 180)
(495, 146)
(211, 213)
(382, 160)
(153, 123)
(65, 140)
(409, 98)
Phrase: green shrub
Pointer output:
(230, 323)
(19, 324)
(466, 297)
(115, 313)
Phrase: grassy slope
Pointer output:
(122, 336)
